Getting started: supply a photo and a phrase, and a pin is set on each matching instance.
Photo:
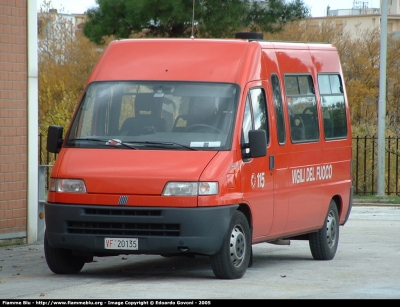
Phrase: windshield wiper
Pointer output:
(163, 144)
(108, 142)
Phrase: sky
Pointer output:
(318, 7)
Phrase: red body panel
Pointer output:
(181, 59)
(294, 198)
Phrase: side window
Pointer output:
(333, 106)
(259, 109)
(303, 115)
(247, 123)
(280, 120)
(255, 114)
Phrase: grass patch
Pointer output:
(12, 242)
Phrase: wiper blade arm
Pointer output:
(164, 144)
(117, 142)
(108, 142)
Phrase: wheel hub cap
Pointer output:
(331, 230)
(237, 246)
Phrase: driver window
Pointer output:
(255, 114)
(247, 124)
(259, 109)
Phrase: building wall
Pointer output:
(393, 6)
(352, 23)
(13, 119)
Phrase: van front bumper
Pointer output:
(159, 230)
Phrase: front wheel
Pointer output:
(62, 261)
(233, 258)
(324, 243)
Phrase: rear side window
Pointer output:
(302, 108)
(333, 106)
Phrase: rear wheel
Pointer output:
(62, 261)
(233, 258)
(324, 243)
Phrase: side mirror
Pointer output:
(257, 143)
(54, 139)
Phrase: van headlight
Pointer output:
(190, 188)
(67, 185)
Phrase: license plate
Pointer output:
(121, 243)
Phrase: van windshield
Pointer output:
(155, 115)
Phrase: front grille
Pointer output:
(129, 229)
(121, 212)
(123, 227)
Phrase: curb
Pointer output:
(366, 204)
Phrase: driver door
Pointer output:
(257, 173)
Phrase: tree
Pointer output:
(66, 58)
(393, 85)
(173, 18)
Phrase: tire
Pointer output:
(62, 261)
(251, 259)
(233, 258)
(324, 243)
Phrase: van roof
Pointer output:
(211, 60)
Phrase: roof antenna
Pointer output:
(192, 36)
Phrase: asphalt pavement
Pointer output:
(366, 266)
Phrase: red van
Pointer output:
(202, 147)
